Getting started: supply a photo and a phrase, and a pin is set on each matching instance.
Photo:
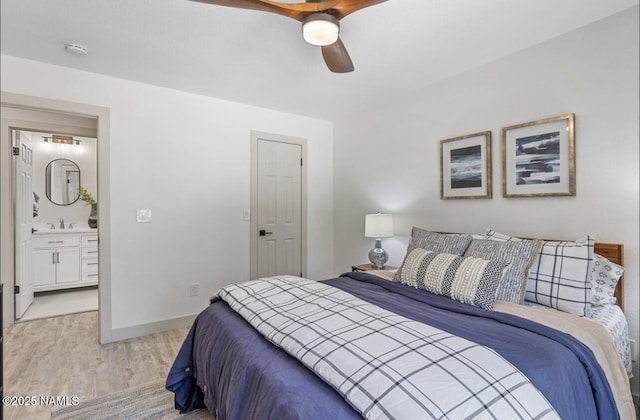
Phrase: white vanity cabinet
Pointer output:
(59, 261)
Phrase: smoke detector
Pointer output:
(75, 49)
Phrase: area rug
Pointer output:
(150, 401)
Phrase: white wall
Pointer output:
(187, 158)
(388, 159)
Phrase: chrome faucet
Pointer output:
(70, 225)
(51, 226)
(61, 223)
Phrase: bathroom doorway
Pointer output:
(56, 235)
(46, 114)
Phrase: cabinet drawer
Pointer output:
(89, 266)
(90, 270)
(55, 241)
(89, 252)
(89, 240)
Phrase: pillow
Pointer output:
(604, 278)
(436, 242)
(561, 276)
(468, 280)
(497, 236)
(518, 254)
(450, 243)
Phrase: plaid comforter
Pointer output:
(384, 365)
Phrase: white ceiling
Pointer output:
(261, 59)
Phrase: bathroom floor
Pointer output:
(48, 304)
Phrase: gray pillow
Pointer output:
(518, 254)
(437, 242)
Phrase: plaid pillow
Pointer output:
(604, 278)
(468, 280)
(560, 277)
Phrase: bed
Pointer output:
(418, 344)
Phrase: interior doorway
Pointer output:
(23, 112)
(56, 249)
(278, 205)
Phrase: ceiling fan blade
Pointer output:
(346, 7)
(297, 11)
(337, 57)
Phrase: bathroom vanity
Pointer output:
(64, 259)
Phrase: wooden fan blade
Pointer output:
(296, 11)
(337, 57)
(346, 7)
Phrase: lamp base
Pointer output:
(378, 256)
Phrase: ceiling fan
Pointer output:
(320, 23)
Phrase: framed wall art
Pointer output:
(465, 166)
(538, 158)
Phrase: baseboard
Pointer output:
(151, 328)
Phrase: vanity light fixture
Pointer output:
(56, 138)
(378, 226)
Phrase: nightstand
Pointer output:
(369, 267)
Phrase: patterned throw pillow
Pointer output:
(561, 276)
(604, 278)
(468, 280)
(436, 242)
(518, 254)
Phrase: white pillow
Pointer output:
(561, 276)
(497, 236)
(604, 278)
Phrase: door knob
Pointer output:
(264, 232)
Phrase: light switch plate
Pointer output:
(143, 216)
(246, 214)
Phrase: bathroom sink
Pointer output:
(41, 229)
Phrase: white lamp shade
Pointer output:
(378, 225)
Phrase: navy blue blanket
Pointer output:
(229, 367)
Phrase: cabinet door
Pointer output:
(44, 267)
(68, 267)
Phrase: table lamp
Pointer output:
(378, 226)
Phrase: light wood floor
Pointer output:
(61, 356)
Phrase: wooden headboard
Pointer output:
(614, 253)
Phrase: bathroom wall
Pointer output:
(83, 155)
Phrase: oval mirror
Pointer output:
(62, 181)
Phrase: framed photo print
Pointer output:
(465, 166)
(538, 158)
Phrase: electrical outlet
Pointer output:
(194, 289)
(634, 350)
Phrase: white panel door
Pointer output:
(24, 222)
(279, 219)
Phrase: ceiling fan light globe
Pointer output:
(320, 29)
